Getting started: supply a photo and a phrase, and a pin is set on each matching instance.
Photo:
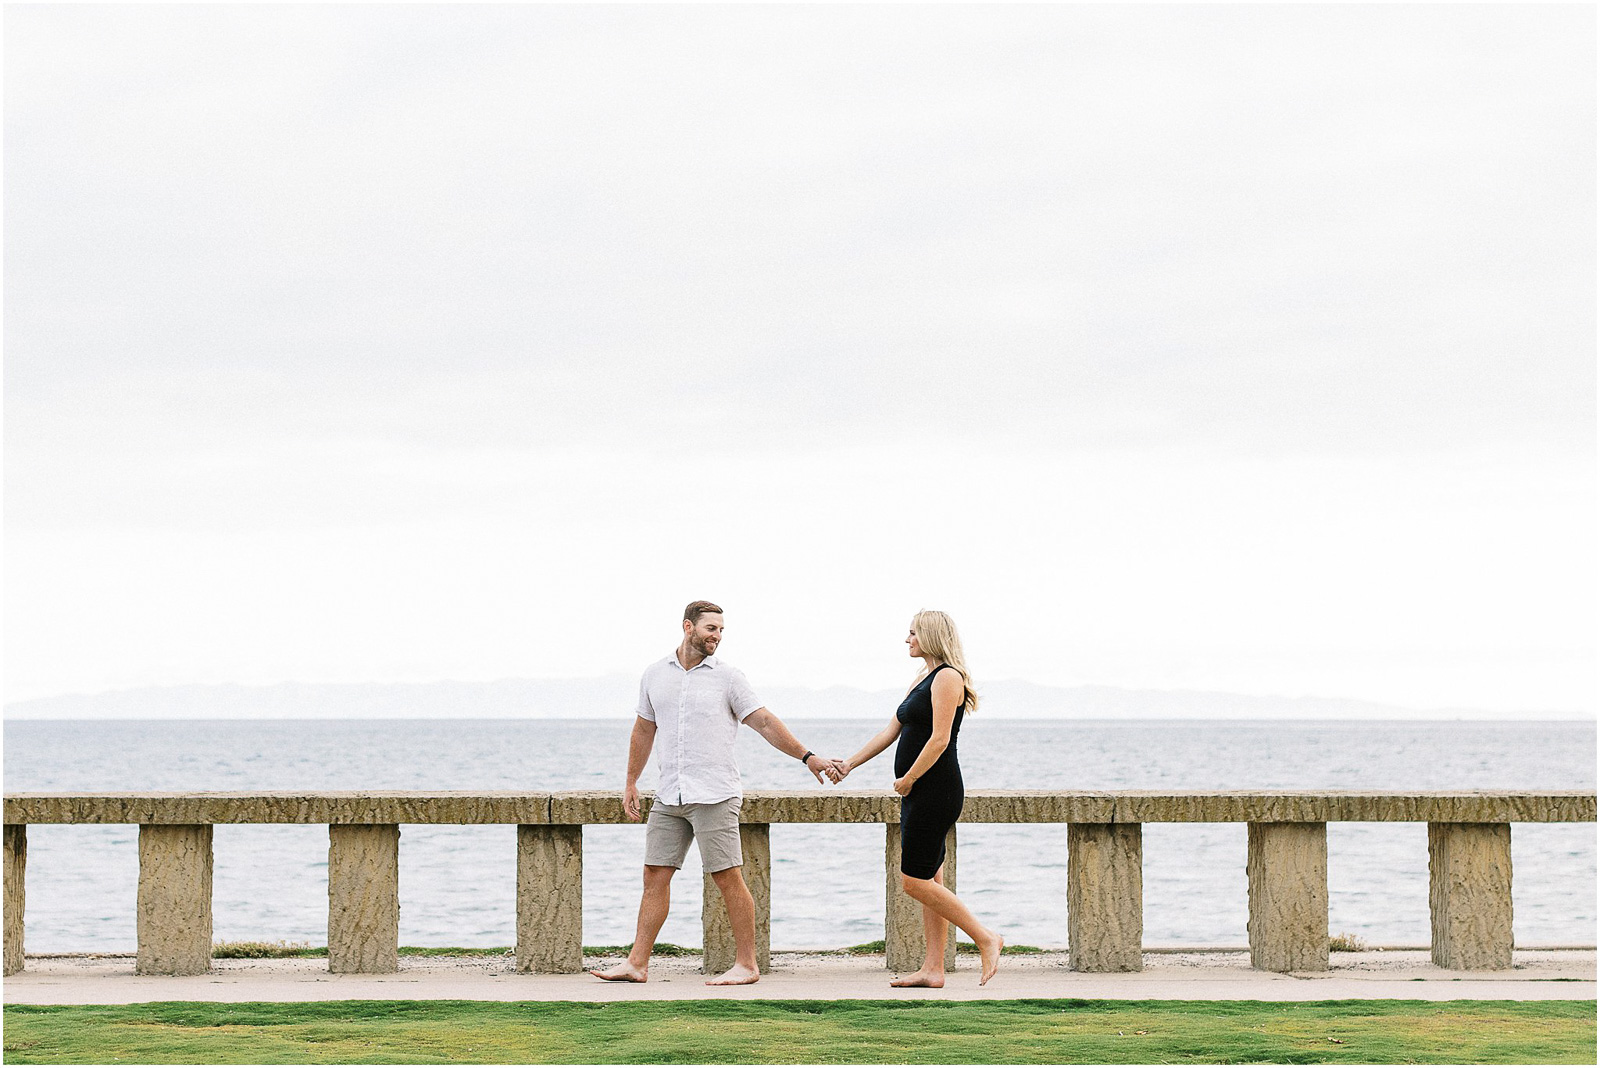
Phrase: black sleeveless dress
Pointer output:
(934, 803)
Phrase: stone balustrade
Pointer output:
(1469, 862)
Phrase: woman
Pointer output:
(928, 780)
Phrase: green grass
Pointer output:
(261, 950)
(865, 949)
(827, 1032)
(660, 949)
(1005, 950)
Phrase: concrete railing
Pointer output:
(1469, 864)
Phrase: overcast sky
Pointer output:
(1237, 348)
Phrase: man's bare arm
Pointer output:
(639, 745)
(781, 738)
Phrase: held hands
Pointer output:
(835, 769)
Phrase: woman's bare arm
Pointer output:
(948, 689)
(879, 742)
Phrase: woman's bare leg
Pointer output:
(932, 894)
(935, 929)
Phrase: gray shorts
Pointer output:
(670, 829)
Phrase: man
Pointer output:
(695, 702)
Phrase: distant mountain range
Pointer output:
(615, 695)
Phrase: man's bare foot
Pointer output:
(738, 975)
(622, 973)
(989, 955)
(921, 977)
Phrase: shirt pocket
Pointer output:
(708, 701)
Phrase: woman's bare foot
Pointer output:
(622, 973)
(921, 977)
(738, 975)
(989, 955)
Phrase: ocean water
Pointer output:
(457, 884)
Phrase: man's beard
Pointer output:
(699, 646)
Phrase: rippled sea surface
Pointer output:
(457, 884)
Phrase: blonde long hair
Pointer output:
(936, 634)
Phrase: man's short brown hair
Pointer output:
(696, 609)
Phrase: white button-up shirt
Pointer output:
(697, 715)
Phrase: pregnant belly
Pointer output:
(907, 753)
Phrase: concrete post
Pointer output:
(755, 843)
(903, 940)
(550, 898)
(16, 893)
(1287, 867)
(1105, 896)
(363, 897)
(174, 907)
(1469, 895)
